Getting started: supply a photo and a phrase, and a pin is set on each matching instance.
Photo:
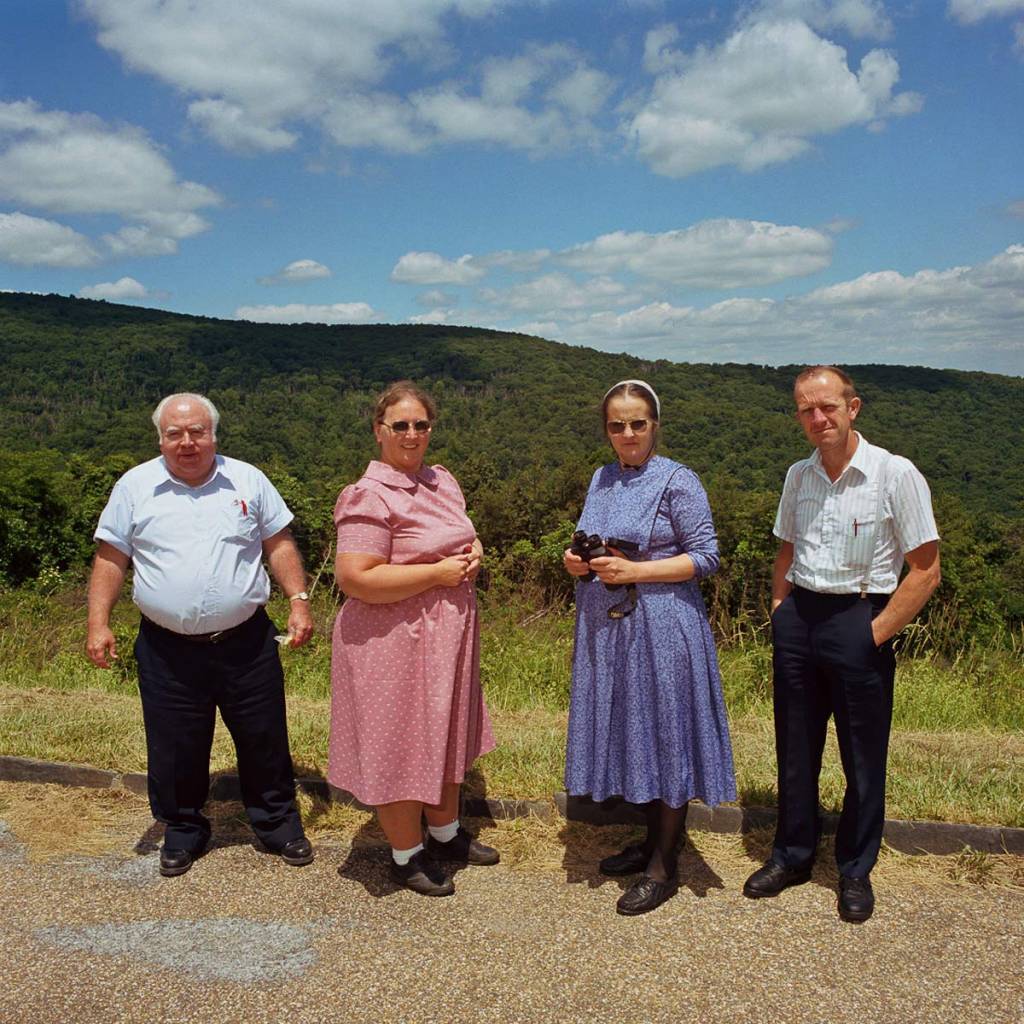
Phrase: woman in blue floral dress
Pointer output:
(647, 721)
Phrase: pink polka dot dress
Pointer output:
(407, 711)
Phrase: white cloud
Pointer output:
(76, 163)
(720, 253)
(659, 54)
(969, 12)
(433, 316)
(297, 272)
(232, 127)
(436, 299)
(758, 98)
(554, 292)
(114, 291)
(520, 262)
(374, 119)
(31, 241)
(861, 18)
(258, 72)
(432, 268)
(297, 313)
(971, 317)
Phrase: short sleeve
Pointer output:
(115, 525)
(274, 514)
(362, 518)
(690, 514)
(911, 504)
(785, 517)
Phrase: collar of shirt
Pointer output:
(382, 473)
(170, 478)
(861, 461)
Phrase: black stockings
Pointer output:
(666, 834)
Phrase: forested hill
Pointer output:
(82, 376)
(519, 425)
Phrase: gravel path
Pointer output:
(244, 938)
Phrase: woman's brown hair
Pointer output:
(396, 392)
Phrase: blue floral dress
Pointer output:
(647, 719)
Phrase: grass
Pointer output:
(957, 751)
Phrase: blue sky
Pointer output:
(771, 181)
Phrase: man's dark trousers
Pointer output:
(182, 683)
(826, 664)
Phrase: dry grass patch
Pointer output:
(57, 821)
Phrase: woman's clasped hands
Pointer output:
(457, 569)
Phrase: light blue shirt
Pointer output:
(843, 537)
(197, 551)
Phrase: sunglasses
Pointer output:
(402, 426)
(619, 426)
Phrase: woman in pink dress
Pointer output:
(407, 712)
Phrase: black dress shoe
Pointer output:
(297, 852)
(174, 862)
(463, 849)
(626, 862)
(645, 894)
(423, 875)
(856, 899)
(771, 879)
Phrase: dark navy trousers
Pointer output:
(182, 683)
(826, 665)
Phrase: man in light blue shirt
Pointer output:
(195, 527)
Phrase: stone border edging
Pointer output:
(912, 837)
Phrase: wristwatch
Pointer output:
(300, 596)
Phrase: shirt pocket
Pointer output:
(860, 543)
(237, 523)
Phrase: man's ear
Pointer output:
(854, 406)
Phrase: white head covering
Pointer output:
(643, 384)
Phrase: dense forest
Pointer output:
(518, 425)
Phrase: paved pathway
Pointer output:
(244, 938)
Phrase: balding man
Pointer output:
(849, 517)
(195, 526)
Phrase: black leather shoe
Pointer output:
(856, 899)
(645, 894)
(423, 875)
(297, 852)
(771, 879)
(174, 862)
(463, 849)
(626, 862)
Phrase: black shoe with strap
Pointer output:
(463, 849)
(423, 875)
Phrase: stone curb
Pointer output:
(912, 837)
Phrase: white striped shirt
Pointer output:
(833, 527)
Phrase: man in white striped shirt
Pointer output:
(849, 517)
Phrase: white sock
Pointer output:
(402, 857)
(444, 833)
